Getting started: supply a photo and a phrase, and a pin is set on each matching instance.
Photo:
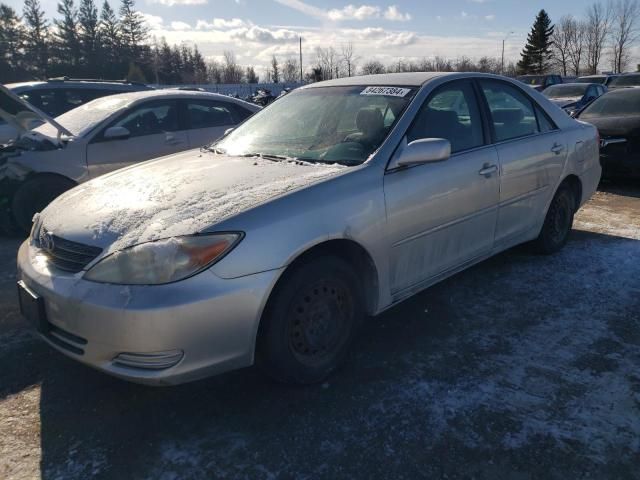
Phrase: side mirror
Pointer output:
(424, 150)
(228, 131)
(116, 133)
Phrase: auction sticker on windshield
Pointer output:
(388, 91)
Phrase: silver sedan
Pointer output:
(271, 246)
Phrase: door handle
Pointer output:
(487, 170)
(557, 148)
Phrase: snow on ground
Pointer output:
(524, 366)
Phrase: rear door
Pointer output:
(442, 215)
(531, 151)
(155, 130)
(207, 120)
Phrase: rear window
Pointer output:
(614, 104)
(625, 81)
(558, 91)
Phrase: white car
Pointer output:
(101, 136)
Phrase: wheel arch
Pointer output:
(575, 184)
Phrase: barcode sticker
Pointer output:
(388, 91)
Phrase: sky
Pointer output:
(379, 29)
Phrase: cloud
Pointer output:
(171, 3)
(490, 17)
(262, 35)
(349, 12)
(232, 23)
(180, 26)
(153, 22)
(392, 13)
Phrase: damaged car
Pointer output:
(272, 245)
(98, 137)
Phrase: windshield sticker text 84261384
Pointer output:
(388, 91)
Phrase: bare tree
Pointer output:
(598, 23)
(561, 42)
(577, 46)
(372, 67)
(290, 70)
(349, 58)
(231, 71)
(328, 62)
(624, 32)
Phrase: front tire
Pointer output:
(310, 321)
(558, 222)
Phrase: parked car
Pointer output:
(540, 82)
(604, 79)
(617, 117)
(101, 136)
(624, 81)
(572, 97)
(338, 201)
(59, 95)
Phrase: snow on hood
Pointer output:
(177, 195)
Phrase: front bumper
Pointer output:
(212, 321)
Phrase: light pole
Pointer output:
(502, 63)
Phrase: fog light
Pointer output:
(149, 361)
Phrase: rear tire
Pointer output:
(558, 222)
(310, 321)
(34, 195)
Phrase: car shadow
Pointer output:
(622, 186)
(241, 424)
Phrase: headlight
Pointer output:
(163, 261)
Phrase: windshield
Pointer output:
(625, 81)
(601, 80)
(619, 103)
(83, 119)
(532, 80)
(560, 91)
(328, 124)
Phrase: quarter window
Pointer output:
(209, 114)
(451, 113)
(511, 111)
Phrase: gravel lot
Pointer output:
(521, 367)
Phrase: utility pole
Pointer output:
(502, 63)
(301, 79)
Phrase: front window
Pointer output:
(563, 91)
(326, 124)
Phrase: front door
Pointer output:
(208, 120)
(154, 132)
(443, 215)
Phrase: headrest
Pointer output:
(369, 120)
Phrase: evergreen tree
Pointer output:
(275, 70)
(133, 30)
(67, 41)
(536, 55)
(12, 37)
(89, 41)
(109, 35)
(36, 48)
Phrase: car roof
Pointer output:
(407, 79)
(93, 84)
(135, 97)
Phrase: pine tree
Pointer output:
(36, 48)
(133, 30)
(275, 70)
(251, 76)
(67, 41)
(89, 41)
(536, 55)
(109, 34)
(12, 38)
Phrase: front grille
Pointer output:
(65, 254)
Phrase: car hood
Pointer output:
(22, 115)
(564, 101)
(181, 194)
